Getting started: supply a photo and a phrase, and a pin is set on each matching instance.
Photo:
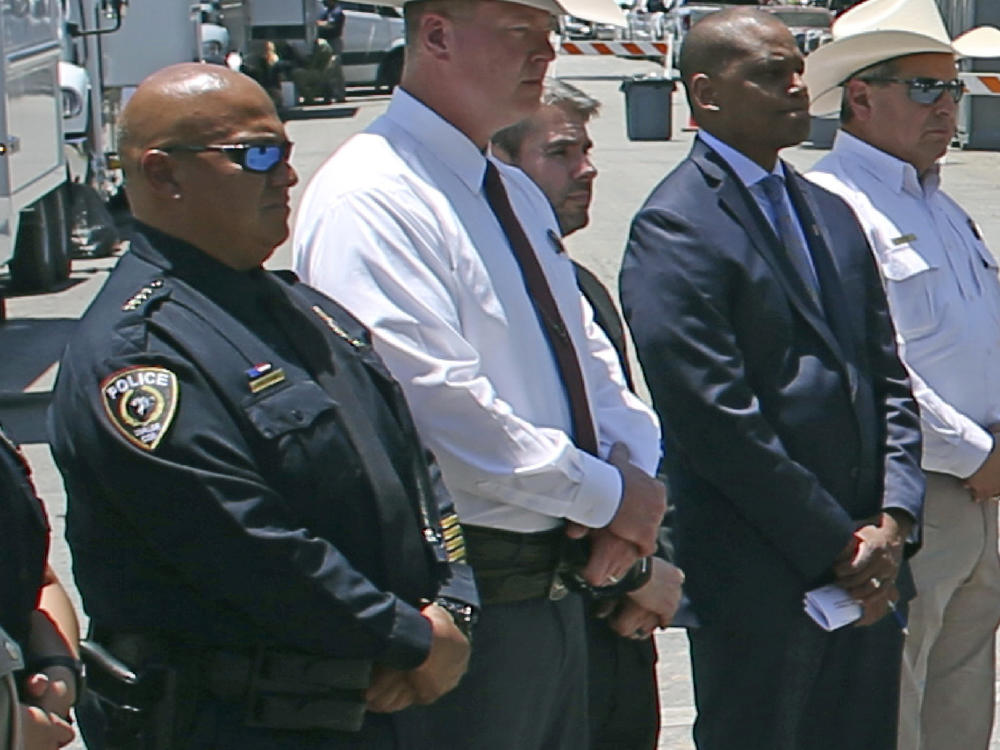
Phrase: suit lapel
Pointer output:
(740, 204)
(821, 248)
(834, 297)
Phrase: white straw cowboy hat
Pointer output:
(597, 11)
(880, 30)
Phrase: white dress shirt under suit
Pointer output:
(752, 175)
(944, 295)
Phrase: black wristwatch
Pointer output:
(637, 576)
(465, 615)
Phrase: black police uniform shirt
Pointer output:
(213, 493)
(25, 542)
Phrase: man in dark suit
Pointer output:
(791, 438)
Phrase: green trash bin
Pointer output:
(648, 100)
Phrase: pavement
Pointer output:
(39, 325)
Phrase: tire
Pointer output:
(93, 233)
(41, 251)
(391, 71)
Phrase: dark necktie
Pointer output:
(774, 188)
(812, 264)
(547, 310)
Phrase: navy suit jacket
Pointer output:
(787, 419)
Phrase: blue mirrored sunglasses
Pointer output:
(925, 90)
(253, 157)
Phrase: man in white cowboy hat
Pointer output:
(891, 70)
(454, 261)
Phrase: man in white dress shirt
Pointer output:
(899, 100)
(422, 235)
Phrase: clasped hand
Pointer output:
(633, 530)
(984, 483)
(867, 567)
(393, 689)
(45, 718)
(650, 606)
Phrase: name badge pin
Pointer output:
(556, 241)
(975, 230)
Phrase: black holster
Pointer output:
(152, 706)
(126, 708)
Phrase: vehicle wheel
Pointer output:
(391, 70)
(93, 233)
(41, 251)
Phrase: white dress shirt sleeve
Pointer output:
(384, 257)
(952, 442)
(620, 415)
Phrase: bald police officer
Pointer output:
(249, 506)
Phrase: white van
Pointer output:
(373, 44)
(373, 34)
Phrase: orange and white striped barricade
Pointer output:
(979, 116)
(981, 84)
(617, 49)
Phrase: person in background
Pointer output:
(39, 634)
(892, 72)
(330, 29)
(553, 148)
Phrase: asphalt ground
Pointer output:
(39, 325)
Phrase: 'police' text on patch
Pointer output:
(140, 401)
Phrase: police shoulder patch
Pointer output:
(140, 402)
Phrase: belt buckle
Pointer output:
(557, 589)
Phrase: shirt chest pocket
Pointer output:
(294, 407)
(912, 285)
(302, 440)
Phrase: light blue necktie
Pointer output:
(788, 231)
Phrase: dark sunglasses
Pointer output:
(925, 90)
(253, 157)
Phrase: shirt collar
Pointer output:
(749, 171)
(450, 146)
(234, 290)
(894, 173)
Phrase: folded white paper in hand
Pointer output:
(831, 607)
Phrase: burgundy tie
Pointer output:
(547, 310)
